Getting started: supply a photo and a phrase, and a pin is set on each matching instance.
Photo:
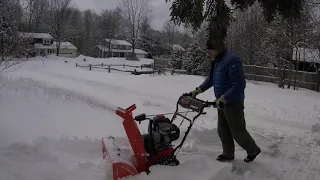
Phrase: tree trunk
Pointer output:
(2, 51)
(290, 73)
(296, 72)
(318, 80)
(58, 48)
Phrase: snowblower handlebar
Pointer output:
(188, 102)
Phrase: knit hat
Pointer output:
(213, 44)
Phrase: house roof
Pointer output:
(137, 51)
(119, 42)
(140, 51)
(178, 47)
(63, 45)
(36, 35)
(306, 54)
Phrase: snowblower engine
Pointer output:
(161, 133)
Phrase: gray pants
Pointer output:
(232, 126)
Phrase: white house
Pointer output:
(44, 45)
(119, 48)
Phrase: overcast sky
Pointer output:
(160, 9)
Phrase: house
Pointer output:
(119, 48)
(43, 45)
(308, 59)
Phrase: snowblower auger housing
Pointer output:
(154, 148)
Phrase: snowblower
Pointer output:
(154, 148)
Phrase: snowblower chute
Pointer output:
(154, 148)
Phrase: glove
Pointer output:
(195, 92)
(221, 102)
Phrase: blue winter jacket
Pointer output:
(227, 78)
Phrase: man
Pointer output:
(229, 83)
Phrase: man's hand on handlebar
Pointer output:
(195, 92)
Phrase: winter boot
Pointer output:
(223, 158)
(251, 158)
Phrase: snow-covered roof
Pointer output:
(306, 54)
(137, 51)
(140, 51)
(119, 42)
(36, 35)
(178, 47)
(63, 45)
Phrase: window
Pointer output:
(46, 41)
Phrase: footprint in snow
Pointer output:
(149, 103)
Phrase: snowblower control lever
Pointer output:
(140, 117)
(194, 104)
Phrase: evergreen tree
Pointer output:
(13, 49)
(176, 60)
(218, 14)
(197, 62)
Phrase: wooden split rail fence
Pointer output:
(110, 67)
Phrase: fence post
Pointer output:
(318, 80)
(76, 64)
(109, 69)
(254, 72)
(90, 67)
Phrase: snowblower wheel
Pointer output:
(168, 161)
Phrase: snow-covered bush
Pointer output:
(176, 61)
(13, 48)
(196, 61)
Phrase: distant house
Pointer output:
(308, 59)
(44, 45)
(119, 48)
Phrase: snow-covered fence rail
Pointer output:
(109, 67)
(115, 65)
(308, 80)
(175, 71)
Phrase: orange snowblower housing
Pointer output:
(142, 162)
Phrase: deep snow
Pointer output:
(54, 114)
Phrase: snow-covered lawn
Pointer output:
(53, 115)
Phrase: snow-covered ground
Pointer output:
(54, 114)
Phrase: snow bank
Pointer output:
(198, 167)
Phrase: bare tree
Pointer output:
(59, 21)
(13, 49)
(110, 25)
(134, 12)
(171, 30)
